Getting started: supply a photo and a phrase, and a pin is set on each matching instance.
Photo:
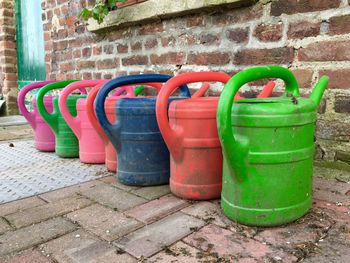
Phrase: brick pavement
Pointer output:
(104, 221)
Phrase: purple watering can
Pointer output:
(44, 137)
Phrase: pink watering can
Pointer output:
(91, 146)
(43, 135)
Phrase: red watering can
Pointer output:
(110, 152)
(192, 138)
(91, 146)
(43, 136)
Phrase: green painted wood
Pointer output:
(30, 42)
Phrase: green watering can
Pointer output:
(67, 145)
(268, 148)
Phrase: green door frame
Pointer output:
(30, 42)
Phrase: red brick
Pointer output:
(86, 52)
(339, 25)
(60, 45)
(157, 209)
(304, 77)
(238, 35)
(279, 7)
(209, 39)
(214, 58)
(168, 58)
(269, 32)
(151, 43)
(338, 79)
(135, 60)
(83, 64)
(108, 49)
(325, 51)
(151, 29)
(302, 29)
(168, 41)
(122, 48)
(71, 20)
(97, 51)
(109, 63)
(342, 104)
(77, 53)
(230, 246)
(136, 46)
(194, 21)
(119, 34)
(239, 15)
(68, 66)
(264, 56)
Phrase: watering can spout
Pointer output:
(319, 89)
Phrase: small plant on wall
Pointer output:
(100, 10)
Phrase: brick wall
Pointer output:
(8, 66)
(310, 37)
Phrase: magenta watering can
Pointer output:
(44, 138)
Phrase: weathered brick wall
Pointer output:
(8, 66)
(310, 37)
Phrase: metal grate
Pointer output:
(24, 171)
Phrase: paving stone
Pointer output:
(152, 192)
(305, 230)
(209, 212)
(334, 247)
(4, 226)
(43, 212)
(113, 197)
(104, 222)
(112, 180)
(18, 205)
(153, 238)
(181, 252)
(157, 209)
(33, 235)
(232, 246)
(27, 256)
(333, 186)
(80, 246)
(68, 191)
(339, 199)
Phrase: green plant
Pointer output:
(100, 10)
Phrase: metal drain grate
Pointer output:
(25, 172)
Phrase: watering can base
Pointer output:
(195, 192)
(111, 165)
(265, 217)
(45, 146)
(65, 152)
(143, 179)
(92, 158)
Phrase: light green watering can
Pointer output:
(268, 148)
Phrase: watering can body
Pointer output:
(110, 152)
(268, 147)
(91, 146)
(44, 138)
(67, 145)
(143, 158)
(192, 137)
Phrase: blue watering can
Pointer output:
(143, 157)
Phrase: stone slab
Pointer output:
(46, 211)
(153, 238)
(14, 241)
(4, 226)
(104, 222)
(27, 256)
(113, 197)
(152, 192)
(19, 205)
(79, 246)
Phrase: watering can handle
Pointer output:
(91, 111)
(230, 146)
(74, 122)
(113, 130)
(173, 138)
(30, 116)
(50, 119)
